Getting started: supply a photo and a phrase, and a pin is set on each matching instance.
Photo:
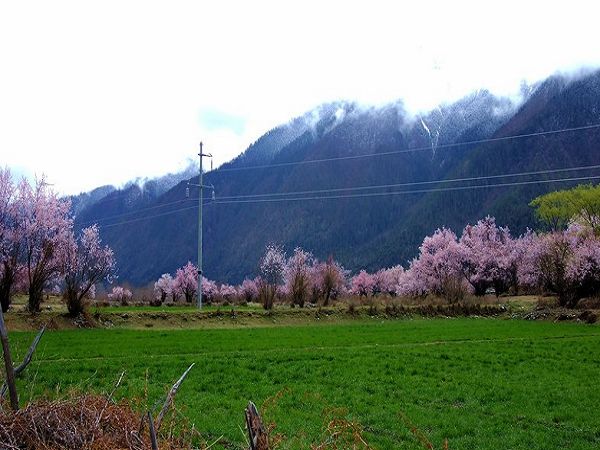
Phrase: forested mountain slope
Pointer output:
(153, 233)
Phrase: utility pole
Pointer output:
(200, 199)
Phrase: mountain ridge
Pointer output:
(362, 147)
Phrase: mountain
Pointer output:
(108, 201)
(86, 200)
(369, 227)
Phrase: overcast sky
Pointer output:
(96, 93)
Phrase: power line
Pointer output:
(149, 208)
(154, 216)
(420, 191)
(364, 195)
(410, 150)
(357, 188)
(586, 127)
(414, 183)
(225, 199)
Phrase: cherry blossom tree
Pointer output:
(392, 278)
(522, 271)
(10, 241)
(46, 226)
(120, 294)
(228, 292)
(85, 262)
(210, 290)
(488, 256)
(438, 268)
(249, 290)
(91, 293)
(362, 284)
(385, 281)
(186, 281)
(163, 287)
(272, 266)
(329, 279)
(410, 285)
(583, 269)
(566, 263)
(296, 276)
(552, 257)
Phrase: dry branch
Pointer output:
(72, 424)
(256, 430)
(21, 367)
(10, 370)
(153, 440)
(109, 398)
(170, 397)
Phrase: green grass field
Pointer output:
(480, 383)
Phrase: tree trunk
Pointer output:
(74, 303)
(327, 297)
(36, 295)
(5, 287)
(6, 284)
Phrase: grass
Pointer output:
(480, 383)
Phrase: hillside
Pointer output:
(155, 232)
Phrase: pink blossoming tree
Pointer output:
(120, 294)
(10, 240)
(272, 266)
(329, 280)
(228, 292)
(85, 262)
(297, 276)
(186, 281)
(163, 287)
(438, 268)
(46, 236)
(488, 256)
(249, 290)
(362, 284)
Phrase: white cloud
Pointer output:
(95, 93)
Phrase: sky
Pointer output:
(95, 93)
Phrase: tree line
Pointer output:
(485, 259)
(40, 252)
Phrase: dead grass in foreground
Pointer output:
(87, 422)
